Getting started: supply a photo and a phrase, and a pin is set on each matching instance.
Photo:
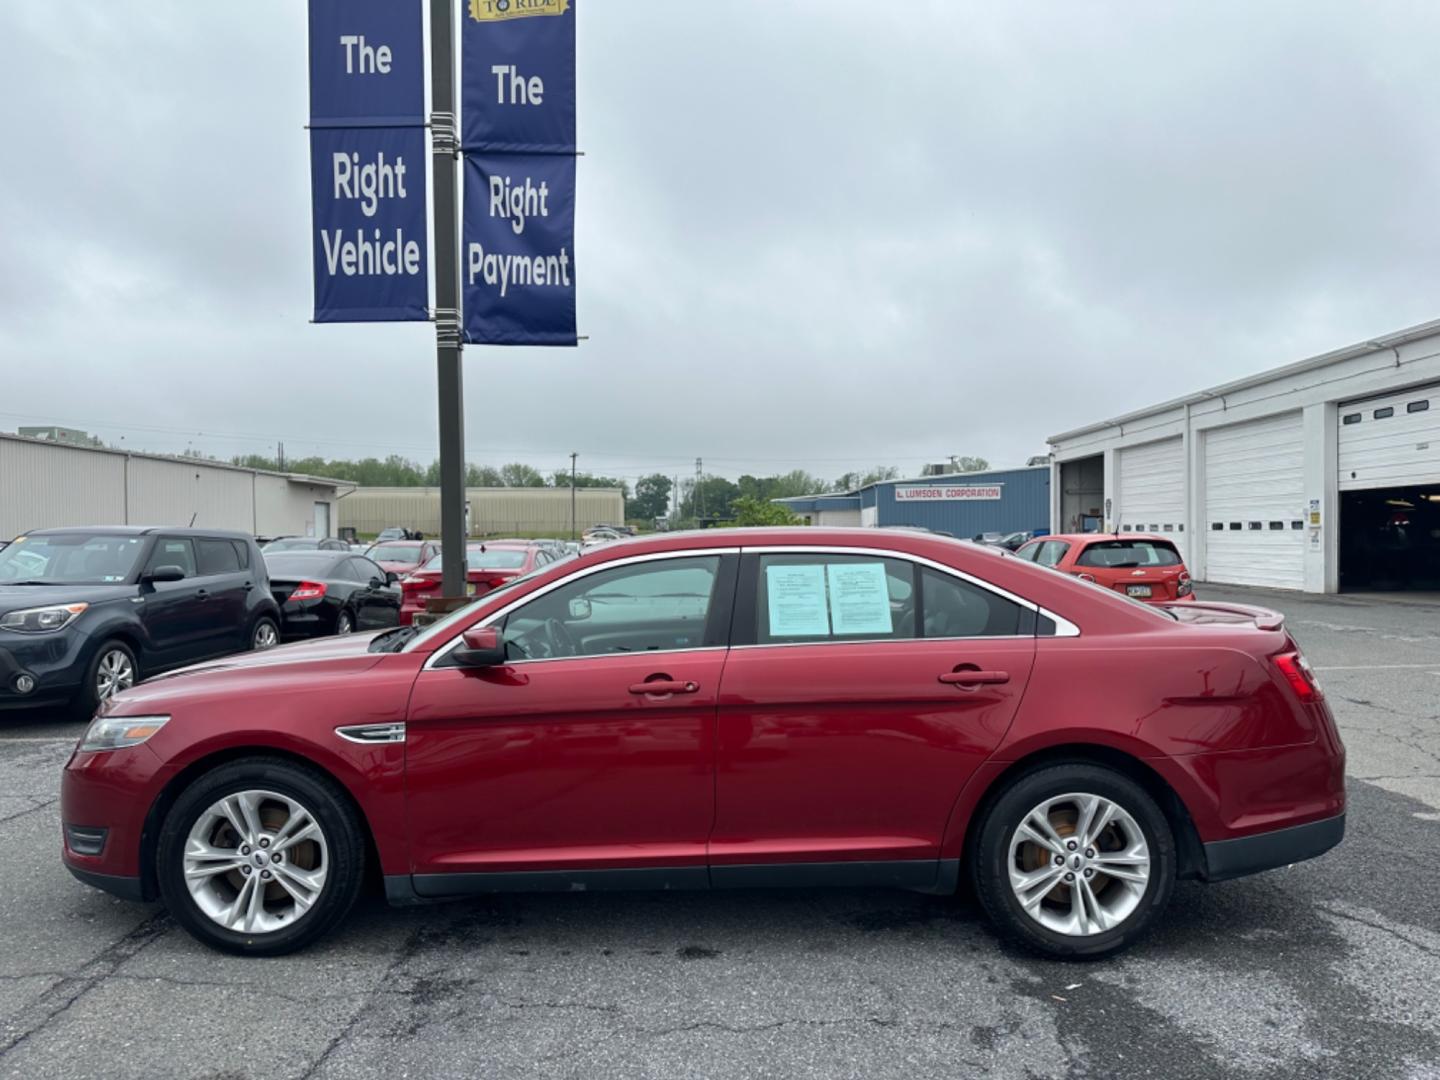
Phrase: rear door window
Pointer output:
(1129, 554)
(1051, 552)
(953, 607)
(216, 557)
(816, 598)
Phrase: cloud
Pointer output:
(810, 233)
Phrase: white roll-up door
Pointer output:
(1392, 441)
(1150, 489)
(1254, 503)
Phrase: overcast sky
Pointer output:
(811, 233)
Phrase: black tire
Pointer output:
(258, 629)
(342, 620)
(989, 862)
(344, 833)
(87, 702)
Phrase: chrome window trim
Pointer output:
(610, 564)
(1063, 627)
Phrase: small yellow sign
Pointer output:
(500, 10)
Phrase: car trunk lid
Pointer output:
(1215, 613)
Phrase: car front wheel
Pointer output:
(261, 857)
(1074, 861)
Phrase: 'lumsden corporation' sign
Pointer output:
(946, 492)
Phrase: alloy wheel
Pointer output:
(266, 636)
(256, 862)
(345, 624)
(1079, 864)
(115, 672)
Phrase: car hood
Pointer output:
(322, 650)
(16, 597)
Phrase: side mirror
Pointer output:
(481, 647)
(391, 577)
(164, 573)
(579, 608)
(376, 583)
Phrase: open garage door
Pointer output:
(1389, 472)
(1254, 503)
(1150, 489)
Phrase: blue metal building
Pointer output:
(962, 504)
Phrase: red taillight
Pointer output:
(1299, 675)
(417, 584)
(308, 590)
(1183, 586)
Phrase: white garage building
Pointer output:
(1322, 475)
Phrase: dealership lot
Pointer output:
(1325, 969)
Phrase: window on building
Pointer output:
(1297, 524)
(1235, 526)
(1217, 526)
(1277, 525)
(1417, 406)
(1255, 525)
(1350, 418)
(1385, 413)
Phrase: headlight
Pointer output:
(39, 620)
(117, 732)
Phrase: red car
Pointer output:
(1141, 566)
(487, 565)
(725, 709)
(402, 556)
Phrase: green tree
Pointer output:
(652, 498)
(709, 497)
(481, 476)
(561, 479)
(751, 512)
(852, 480)
(518, 474)
(970, 464)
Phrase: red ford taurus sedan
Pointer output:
(719, 710)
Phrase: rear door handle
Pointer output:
(202, 594)
(975, 678)
(664, 686)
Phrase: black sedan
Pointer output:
(304, 543)
(329, 592)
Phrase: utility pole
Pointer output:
(280, 456)
(699, 494)
(573, 456)
(445, 245)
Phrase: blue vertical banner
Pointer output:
(518, 138)
(518, 273)
(367, 161)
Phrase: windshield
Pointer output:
(70, 559)
(401, 553)
(300, 564)
(441, 628)
(489, 559)
(1127, 554)
(299, 543)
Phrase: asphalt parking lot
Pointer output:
(1326, 969)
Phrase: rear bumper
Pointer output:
(1226, 859)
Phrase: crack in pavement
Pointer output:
(61, 997)
(1427, 949)
(30, 810)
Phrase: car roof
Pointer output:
(1109, 538)
(142, 530)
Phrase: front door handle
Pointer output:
(971, 677)
(664, 686)
(202, 594)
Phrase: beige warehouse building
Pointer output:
(492, 511)
(47, 485)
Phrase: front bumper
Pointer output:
(1226, 859)
(110, 791)
(56, 662)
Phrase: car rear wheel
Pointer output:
(345, 623)
(264, 634)
(1074, 861)
(261, 857)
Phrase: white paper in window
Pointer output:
(859, 598)
(796, 597)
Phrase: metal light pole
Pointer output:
(573, 456)
(445, 147)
